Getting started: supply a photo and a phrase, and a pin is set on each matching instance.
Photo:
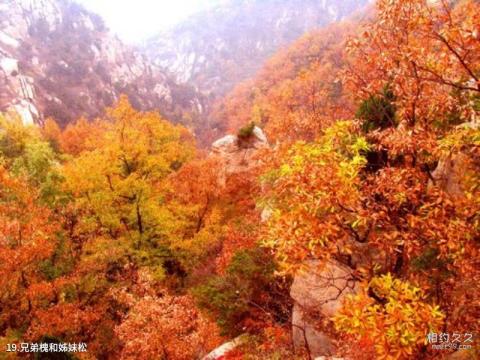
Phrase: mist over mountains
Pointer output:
(59, 60)
(269, 179)
(215, 49)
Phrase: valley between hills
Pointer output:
(266, 179)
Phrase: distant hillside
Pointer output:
(214, 50)
(297, 92)
(59, 60)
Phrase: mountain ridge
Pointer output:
(59, 60)
(216, 49)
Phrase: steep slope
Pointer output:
(59, 60)
(216, 49)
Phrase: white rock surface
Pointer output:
(9, 66)
(223, 350)
(27, 112)
(227, 144)
(8, 40)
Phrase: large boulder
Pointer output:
(233, 143)
(226, 145)
(239, 155)
(306, 335)
(323, 286)
(318, 291)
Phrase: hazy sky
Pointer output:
(135, 20)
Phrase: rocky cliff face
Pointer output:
(216, 49)
(59, 60)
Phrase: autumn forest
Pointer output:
(327, 207)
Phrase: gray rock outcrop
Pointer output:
(239, 155)
(318, 291)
